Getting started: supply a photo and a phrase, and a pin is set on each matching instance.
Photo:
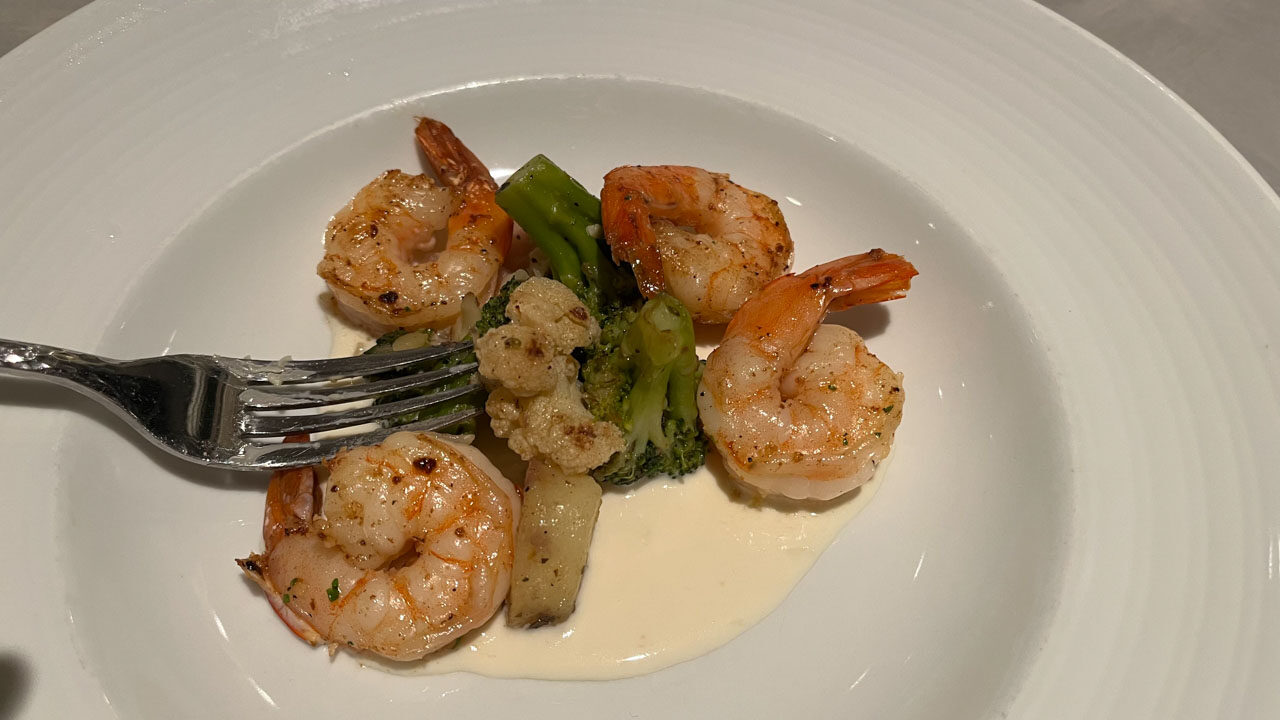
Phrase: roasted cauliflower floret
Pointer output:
(535, 399)
(555, 427)
(551, 307)
(523, 360)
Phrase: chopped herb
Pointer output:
(832, 388)
(888, 408)
(286, 597)
(351, 643)
(877, 434)
(846, 439)
(332, 591)
(292, 583)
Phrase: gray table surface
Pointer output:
(1221, 56)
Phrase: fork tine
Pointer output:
(293, 396)
(306, 371)
(253, 425)
(285, 455)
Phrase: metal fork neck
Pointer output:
(69, 367)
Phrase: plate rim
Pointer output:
(49, 45)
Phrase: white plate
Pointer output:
(1076, 523)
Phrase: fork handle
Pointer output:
(69, 368)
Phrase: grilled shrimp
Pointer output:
(694, 234)
(797, 408)
(395, 549)
(379, 263)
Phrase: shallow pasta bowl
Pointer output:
(1077, 521)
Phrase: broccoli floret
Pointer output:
(606, 373)
(563, 220)
(494, 312)
(643, 377)
(421, 338)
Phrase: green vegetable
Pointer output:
(494, 312)
(642, 374)
(332, 591)
(643, 377)
(563, 220)
(402, 340)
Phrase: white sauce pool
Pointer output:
(677, 568)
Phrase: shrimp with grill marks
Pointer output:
(380, 260)
(396, 549)
(797, 408)
(695, 234)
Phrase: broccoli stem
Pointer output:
(666, 368)
(682, 392)
(648, 400)
(556, 211)
(524, 209)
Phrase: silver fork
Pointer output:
(234, 413)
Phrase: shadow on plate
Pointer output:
(866, 320)
(43, 396)
(15, 684)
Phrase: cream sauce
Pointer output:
(677, 568)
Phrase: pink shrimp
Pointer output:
(797, 408)
(695, 234)
(396, 549)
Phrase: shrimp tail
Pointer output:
(478, 214)
(872, 277)
(291, 501)
(254, 568)
(453, 162)
(785, 313)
